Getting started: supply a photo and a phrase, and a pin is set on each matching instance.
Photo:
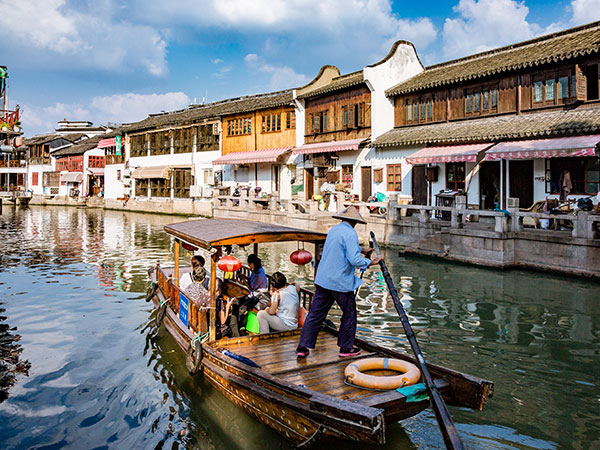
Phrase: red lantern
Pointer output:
(229, 263)
(301, 257)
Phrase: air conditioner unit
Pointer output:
(195, 191)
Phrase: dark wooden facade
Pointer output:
(338, 116)
(556, 85)
(181, 139)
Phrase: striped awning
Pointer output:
(332, 146)
(449, 153)
(71, 177)
(256, 156)
(108, 142)
(545, 148)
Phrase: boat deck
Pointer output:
(322, 371)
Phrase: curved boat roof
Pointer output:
(207, 233)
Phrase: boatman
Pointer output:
(335, 282)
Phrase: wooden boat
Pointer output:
(302, 399)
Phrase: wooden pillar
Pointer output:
(213, 296)
(176, 263)
(256, 249)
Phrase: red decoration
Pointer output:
(301, 257)
(229, 263)
(188, 247)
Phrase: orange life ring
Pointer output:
(353, 373)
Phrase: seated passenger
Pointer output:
(187, 278)
(195, 290)
(258, 297)
(282, 312)
(228, 324)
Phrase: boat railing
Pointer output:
(196, 316)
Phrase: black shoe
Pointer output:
(302, 352)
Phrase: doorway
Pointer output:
(489, 185)
(365, 180)
(275, 187)
(521, 181)
(419, 185)
(309, 183)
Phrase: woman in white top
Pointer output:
(282, 312)
(187, 278)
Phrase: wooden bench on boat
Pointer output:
(302, 399)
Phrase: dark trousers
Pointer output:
(320, 306)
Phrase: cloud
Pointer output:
(118, 108)
(54, 34)
(584, 11)
(282, 77)
(217, 61)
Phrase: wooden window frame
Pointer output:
(454, 185)
(290, 120)
(347, 173)
(34, 178)
(393, 171)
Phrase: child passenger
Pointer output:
(282, 312)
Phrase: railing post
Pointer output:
(340, 201)
(364, 211)
(501, 225)
(456, 218)
(291, 209)
(424, 216)
(582, 226)
(313, 207)
(393, 207)
(515, 220)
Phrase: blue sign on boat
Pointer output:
(184, 304)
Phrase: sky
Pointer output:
(116, 61)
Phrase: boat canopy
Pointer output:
(207, 233)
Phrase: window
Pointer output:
(394, 177)
(563, 87)
(455, 176)
(538, 88)
(430, 109)
(324, 120)
(34, 178)
(494, 95)
(160, 187)
(138, 145)
(573, 86)
(415, 111)
(271, 123)
(96, 161)
(486, 100)
(469, 107)
(51, 178)
(378, 176)
(423, 112)
(584, 173)
(477, 102)
(409, 112)
(237, 127)
(141, 187)
(182, 179)
(550, 89)
(290, 120)
(347, 173)
(345, 117)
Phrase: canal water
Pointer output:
(91, 371)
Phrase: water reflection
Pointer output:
(72, 280)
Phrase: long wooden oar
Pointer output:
(451, 437)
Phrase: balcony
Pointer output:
(114, 159)
(15, 163)
(9, 120)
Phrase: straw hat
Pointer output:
(350, 213)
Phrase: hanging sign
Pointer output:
(184, 305)
(118, 146)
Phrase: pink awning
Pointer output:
(108, 142)
(545, 148)
(326, 147)
(256, 156)
(448, 153)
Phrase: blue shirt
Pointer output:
(258, 280)
(341, 256)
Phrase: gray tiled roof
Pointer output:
(214, 110)
(583, 120)
(337, 84)
(81, 147)
(568, 44)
